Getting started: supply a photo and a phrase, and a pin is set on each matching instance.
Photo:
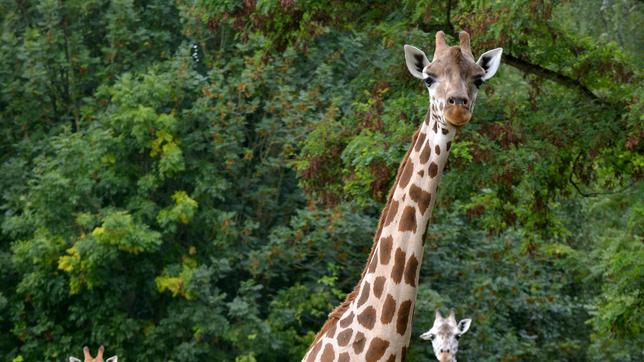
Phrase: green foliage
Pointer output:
(201, 180)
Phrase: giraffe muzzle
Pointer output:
(444, 357)
(457, 115)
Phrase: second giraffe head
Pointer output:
(445, 334)
(452, 77)
(99, 356)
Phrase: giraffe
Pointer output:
(374, 321)
(99, 356)
(445, 334)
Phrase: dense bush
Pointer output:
(201, 180)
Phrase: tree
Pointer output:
(201, 180)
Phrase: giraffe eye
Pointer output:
(432, 336)
(458, 336)
(431, 79)
(478, 82)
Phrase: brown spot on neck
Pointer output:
(406, 175)
(421, 197)
(376, 350)
(329, 354)
(388, 310)
(420, 141)
(410, 271)
(314, 352)
(344, 357)
(403, 317)
(368, 317)
(399, 266)
(378, 286)
(358, 343)
(344, 337)
(373, 264)
(424, 155)
(331, 331)
(391, 214)
(385, 249)
(433, 170)
(346, 321)
(408, 220)
(365, 293)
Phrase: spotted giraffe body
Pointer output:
(387, 292)
(374, 322)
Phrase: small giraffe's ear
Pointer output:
(426, 336)
(74, 359)
(490, 61)
(416, 61)
(464, 325)
(113, 359)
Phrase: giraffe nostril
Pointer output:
(458, 100)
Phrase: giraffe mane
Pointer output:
(335, 315)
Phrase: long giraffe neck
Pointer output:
(374, 322)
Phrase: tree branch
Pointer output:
(571, 179)
(447, 27)
(449, 16)
(522, 64)
(527, 67)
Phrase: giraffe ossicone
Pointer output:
(445, 334)
(374, 321)
(99, 356)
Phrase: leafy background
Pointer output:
(200, 180)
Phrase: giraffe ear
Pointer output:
(416, 61)
(74, 359)
(113, 359)
(426, 336)
(464, 325)
(490, 61)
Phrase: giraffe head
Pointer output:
(452, 77)
(89, 358)
(445, 335)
